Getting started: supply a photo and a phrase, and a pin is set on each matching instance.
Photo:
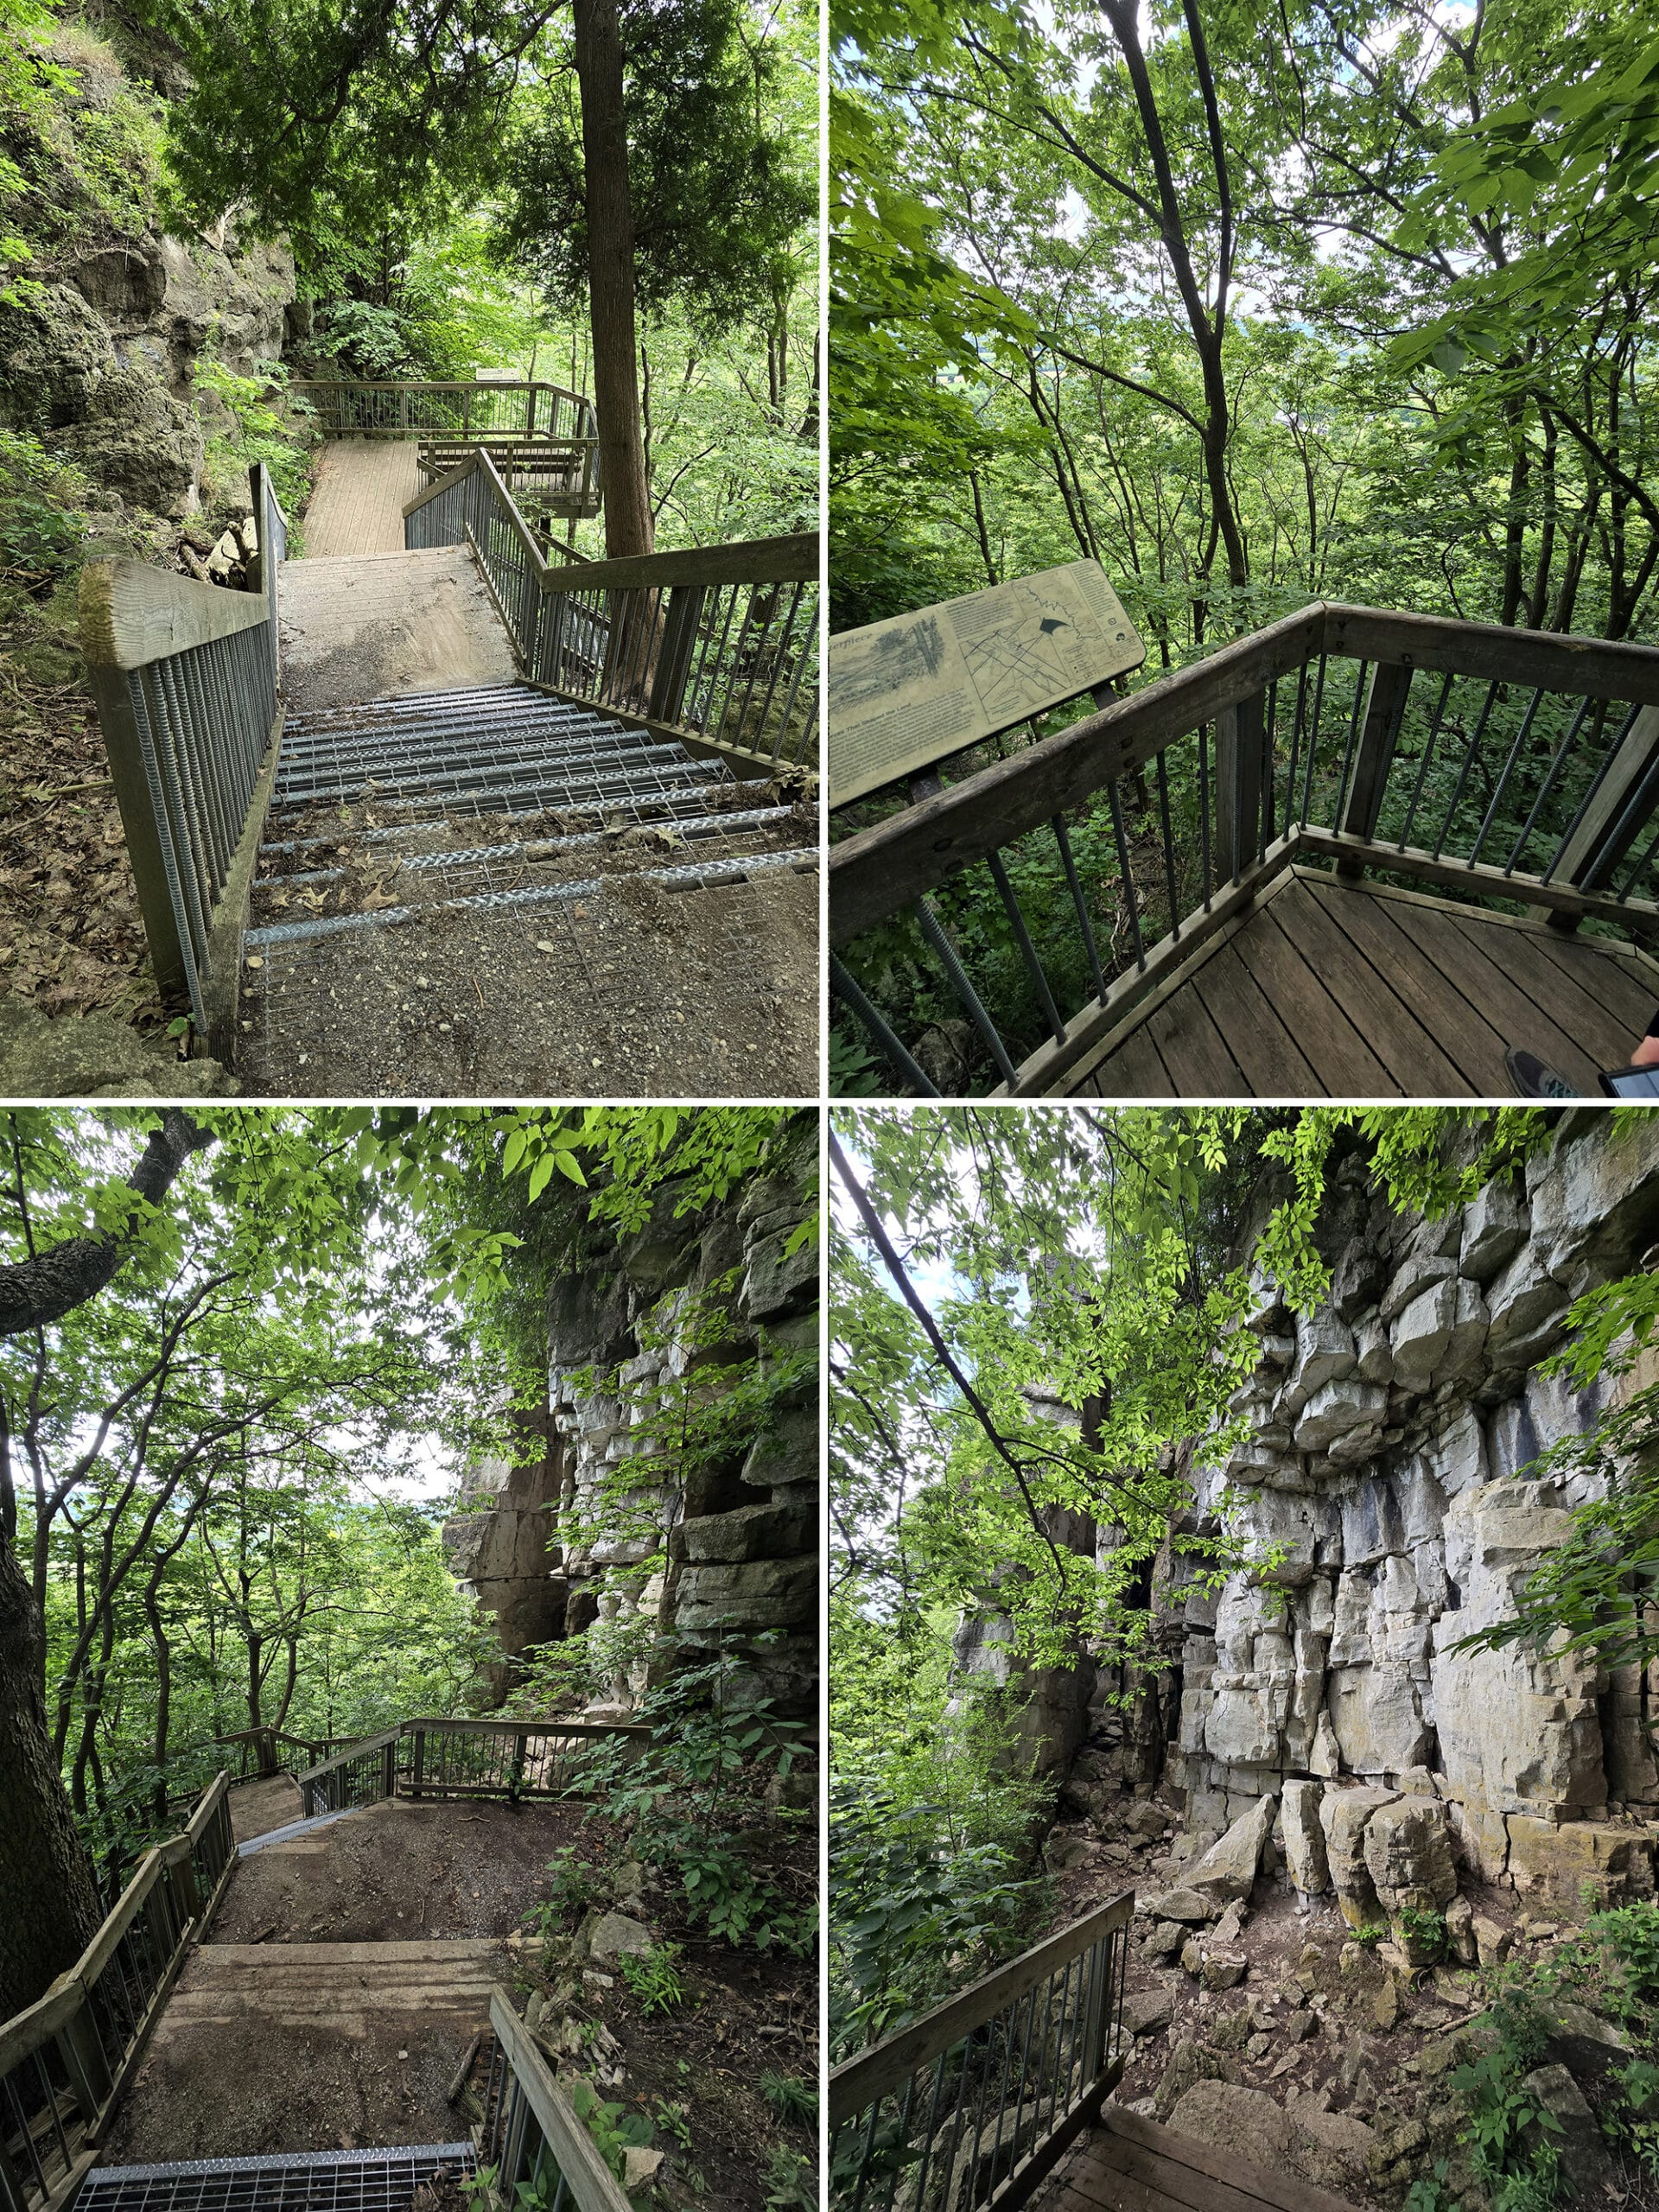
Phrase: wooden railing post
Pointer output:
(419, 1773)
(84, 2063)
(1387, 687)
(390, 1770)
(679, 637)
(1616, 816)
(1241, 773)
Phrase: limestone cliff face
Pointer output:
(742, 1530)
(100, 360)
(1383, 1487)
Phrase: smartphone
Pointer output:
(1630, 1082)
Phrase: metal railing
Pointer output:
(530, 2133)
(512, 417)
(717, 646)
(66, 2060)
(186, 675)
(1503, 765)
(441, 1758)
(972, 2104)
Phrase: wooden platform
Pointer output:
(1328, 989)
(389, 626)
(1131, 2165)
(361, 489)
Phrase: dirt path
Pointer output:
(388, 624)
(398, 1871)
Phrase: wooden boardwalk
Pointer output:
(1329, 989)
(1131, 2165)
(357, 505)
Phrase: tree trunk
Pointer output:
(610, 279)
(49, 1898)
(36, 1291)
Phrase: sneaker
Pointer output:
(1535, 1079)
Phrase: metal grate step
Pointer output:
(301, 2181)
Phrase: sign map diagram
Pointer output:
(906, 692)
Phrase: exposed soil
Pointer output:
(256, 1807)
(400, 1870)
(635, 992)
(239, 2088)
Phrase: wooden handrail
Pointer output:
(860, 2082)
(474, 1724)
(592, 2185)
(355, 1751)
(788, 560)
(132, 615)
(437, 383)
(895, 861)
(880, 869)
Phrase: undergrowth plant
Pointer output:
(654, 1978)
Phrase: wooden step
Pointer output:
(336, 1985)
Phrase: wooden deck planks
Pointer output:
(1131, 2165)
(1334, 988)
(362, 488)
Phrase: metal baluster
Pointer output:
(1169, 845)
(1428, 754)
(1296, 745)
(927, 2139)
(964, 990)
(1002, 2095)
(1124, 869)
(802, 660)
(1548, 784)
(1084, 923)
(845, 989)
(904, 2137)
(1473, 748)
(1503, 780)
(1028, 950)
(1271, 744)
(190, 805)
(1596, 782)
(1646, 855)
(780, 646)
(864, 2155)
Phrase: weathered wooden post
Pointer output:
(668, 682)
(419, 1771)
(1620, 808)
(1241, 772)
(1386, 690)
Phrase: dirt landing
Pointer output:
(635, 993)
(398, 1871)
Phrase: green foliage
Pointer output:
(260, 433)
(720, 193)
(1373, 1932)
(654, 1978)
(1428, 2194)
(1427, 1929)
(40, 531)
(791, 2181)
(681, 1805)
(789, 2097)
(614, 2129)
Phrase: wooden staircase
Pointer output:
(1131, 2165)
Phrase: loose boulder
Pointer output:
(1304, 1854)
(1227, 1868)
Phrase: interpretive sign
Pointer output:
(906, 692)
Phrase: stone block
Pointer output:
(1376, 1714)
(758, 1595)
(750, 1532)
(1343, 1816)
(1408, 1852)
(1227, 1868)
(786, 1453)
(1240, 1730)
(1495, 1224)
(1576, 2139)
(1304, 1854)
(1420, 1271)
(1421, 1333)
(1338, 1409)
(1555, 1862)
(777, 1280)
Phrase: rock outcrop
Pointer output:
(100, 358)
(1386, 1489)
(723, 1548)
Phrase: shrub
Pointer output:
(654, 1978)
